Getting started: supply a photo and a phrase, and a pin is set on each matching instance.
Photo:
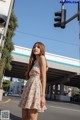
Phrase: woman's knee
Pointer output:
(32, 114)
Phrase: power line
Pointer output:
(34, 35)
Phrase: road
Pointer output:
(55, 110)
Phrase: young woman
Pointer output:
(33, 96)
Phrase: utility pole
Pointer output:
(5, 12)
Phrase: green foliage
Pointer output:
(2, 66)
(5, 61)
(6, 85)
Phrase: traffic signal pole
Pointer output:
(74, 16)
(61, 19)
(70, 19)
(63, 1)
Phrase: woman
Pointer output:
(33, 96)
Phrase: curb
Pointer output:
(15, 95)
(5, 101)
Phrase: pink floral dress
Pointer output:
(31, 95)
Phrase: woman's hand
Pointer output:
(42, 101)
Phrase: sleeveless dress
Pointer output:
(31, 95)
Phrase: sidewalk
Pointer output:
(15, 95)
(10, 103)
(5, 100)
(11, 97)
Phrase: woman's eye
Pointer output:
(36, 47)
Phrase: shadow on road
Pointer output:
(14, 117)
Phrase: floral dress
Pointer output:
(31, 95)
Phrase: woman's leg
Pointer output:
(24, 114)
(32, 114)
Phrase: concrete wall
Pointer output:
(22, 54)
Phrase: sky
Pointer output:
(36, 23)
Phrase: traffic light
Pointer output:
(60, 19)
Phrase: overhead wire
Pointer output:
(38, 36)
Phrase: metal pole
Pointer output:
(6, 27)
(1, 33)
(71, 18)
(1, 37)
(5, 30)
(63, 2)
(63, 14)
(79, 34)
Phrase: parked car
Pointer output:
(9, 93)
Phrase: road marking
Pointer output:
(65, 108)
(6, 101)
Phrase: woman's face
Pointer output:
(36, 49)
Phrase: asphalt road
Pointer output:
(55, 110)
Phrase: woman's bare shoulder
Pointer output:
(42, 59)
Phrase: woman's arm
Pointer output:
(43, 74)
(46, 66)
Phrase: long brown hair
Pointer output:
(33, 57)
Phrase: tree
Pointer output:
(5, 61)
(6, 85)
